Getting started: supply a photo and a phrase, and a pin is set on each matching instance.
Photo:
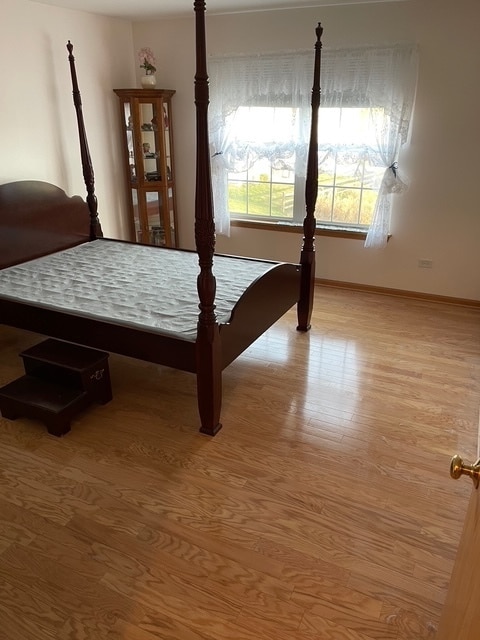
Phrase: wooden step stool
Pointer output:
(61, 379)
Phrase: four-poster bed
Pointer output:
(60, 278)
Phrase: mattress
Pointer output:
(133, 285)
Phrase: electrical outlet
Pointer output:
(425, 263)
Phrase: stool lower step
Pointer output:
(43, 400)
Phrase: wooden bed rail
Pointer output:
(87, 167)
(307, 256)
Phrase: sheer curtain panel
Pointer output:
(381, 79)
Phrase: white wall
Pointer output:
(38, 134)
(439, 217)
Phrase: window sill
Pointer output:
(321, 230)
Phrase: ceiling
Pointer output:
(150, 9)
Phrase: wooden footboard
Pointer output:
(262, 304)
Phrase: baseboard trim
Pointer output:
(401, 293)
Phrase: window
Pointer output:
(261, 180)
(350, 168)
(259, 123)
(262, 184)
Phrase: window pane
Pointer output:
(264, 161)
(259, 198)
(326, 170)
(237, 176)
(260, 171)
(349, 172)
(369, 199)
(282, 201)
(329, 125)
(323, 211)
(373, 176)
(237, 197)
(346, 206)
(282, 170)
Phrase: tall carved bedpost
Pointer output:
(87, 167)
(209, 367)
(307, 257)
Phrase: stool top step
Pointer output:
(65, 354)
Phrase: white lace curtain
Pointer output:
(381, 78)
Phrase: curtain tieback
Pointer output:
(394, 168)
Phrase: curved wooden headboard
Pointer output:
(38, 218)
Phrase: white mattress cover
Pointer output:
(131, 284)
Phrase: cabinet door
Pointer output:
(151, 149)
(146, 121)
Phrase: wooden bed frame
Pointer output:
(38, 219)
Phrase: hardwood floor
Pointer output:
(322, 510)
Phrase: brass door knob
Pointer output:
(459, 468)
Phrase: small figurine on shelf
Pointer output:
(154, 122)
(146, 147)
(157, 235)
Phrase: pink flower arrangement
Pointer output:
(147, 60)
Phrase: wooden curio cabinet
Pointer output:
(146, 125)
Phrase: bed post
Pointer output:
(88, 175)
(208, 353)
(307, 257)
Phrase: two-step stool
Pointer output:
(60, 380)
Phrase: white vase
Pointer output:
(148, 82)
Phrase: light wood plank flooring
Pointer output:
(322, 510)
